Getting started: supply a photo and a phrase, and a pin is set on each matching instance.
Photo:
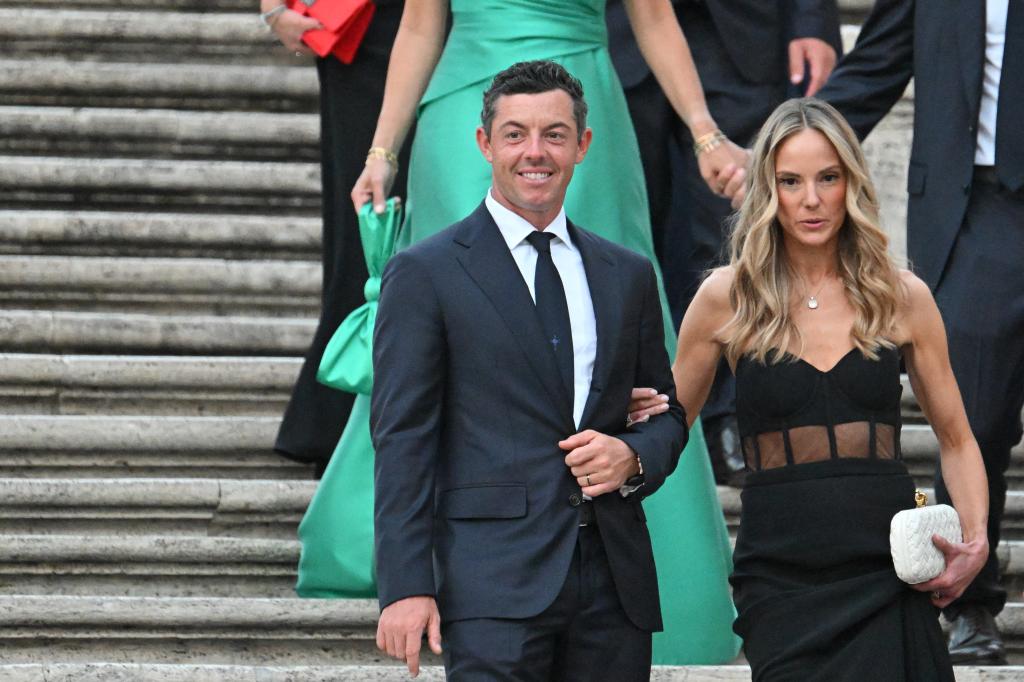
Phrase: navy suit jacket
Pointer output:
(942, 46)
(473, 497)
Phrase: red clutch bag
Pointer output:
(344, 25)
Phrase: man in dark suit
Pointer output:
(751, 56)
(508, 515)
(965, 222)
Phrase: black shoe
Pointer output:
(974, 638)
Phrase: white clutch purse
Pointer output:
(916, 558)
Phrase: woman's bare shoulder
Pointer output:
(913, 293)
(916, 306)
(712, 303)
(716, 286)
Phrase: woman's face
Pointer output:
(811, 184)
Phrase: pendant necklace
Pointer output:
(812, 300)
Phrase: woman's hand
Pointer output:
(724, 168)
(963, 562)
(289, 27)
(374, 183)
(645, 403)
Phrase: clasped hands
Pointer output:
(724, 169)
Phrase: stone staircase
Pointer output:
(159, 274)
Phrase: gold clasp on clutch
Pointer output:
(920, 498)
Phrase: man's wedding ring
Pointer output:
(588, 480)
(937, 594)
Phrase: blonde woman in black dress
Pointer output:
(813, 317)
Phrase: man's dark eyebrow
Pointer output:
(517, 124)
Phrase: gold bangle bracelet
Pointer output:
(708, 141)
(706, 137)
(382, 153)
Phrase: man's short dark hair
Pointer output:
(531, 78)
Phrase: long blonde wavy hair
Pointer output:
(761, 294)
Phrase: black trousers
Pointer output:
(584, 635)
(688, 220)
(350, 98)
(981, 296)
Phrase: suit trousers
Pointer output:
(583, 635)
(688, 220)
(981, 296)
(350, 98)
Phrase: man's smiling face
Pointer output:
(533, 148)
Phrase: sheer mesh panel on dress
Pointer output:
(803, 444)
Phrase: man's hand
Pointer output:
(600, 463)
(963, 562)
(645, 403)
(401, 627)
(816, 52)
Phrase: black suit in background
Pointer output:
(350, 98)
(965, 230)
(474, 503)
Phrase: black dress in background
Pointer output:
(813, 580)
(350, 99)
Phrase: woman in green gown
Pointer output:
(448, 178)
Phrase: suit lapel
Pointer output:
(603, 281)
(970, 39)
(489, 263)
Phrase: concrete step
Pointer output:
(152, 385)
(161, 285)
(920, 450)
(234, 631)
(134, 506)
(212, 186)
(127, 672)
(243, 6)
(129, 133)
(188, 235)
(160, 447)
(148, 35)
(190, 566)
(211, 87)
(76, 332)
(139, 630)
(147, 566)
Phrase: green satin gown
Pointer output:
(448, 178)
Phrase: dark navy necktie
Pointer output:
(552, 308)
(1010, 108)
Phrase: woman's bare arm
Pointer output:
(414, 56)
(699, 348)
(666, 51)
(931, 376)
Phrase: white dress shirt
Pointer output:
(569, 263)
(995, 39)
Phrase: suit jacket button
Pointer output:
(575, 500)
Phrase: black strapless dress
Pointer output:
(813, 580)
